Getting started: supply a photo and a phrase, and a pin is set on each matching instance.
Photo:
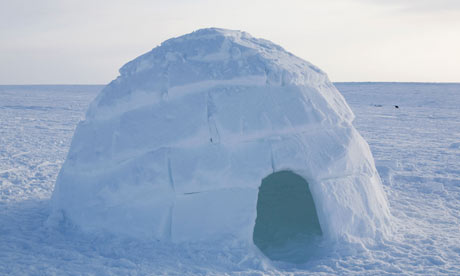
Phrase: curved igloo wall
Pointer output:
(177, 146)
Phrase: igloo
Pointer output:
(217, 135)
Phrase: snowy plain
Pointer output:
(416, 148)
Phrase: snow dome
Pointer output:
(216, 135)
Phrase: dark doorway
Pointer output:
(287, 227)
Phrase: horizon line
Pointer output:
(338, 82)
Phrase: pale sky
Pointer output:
(86, 42)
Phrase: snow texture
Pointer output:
(176, 147)
(415, 148)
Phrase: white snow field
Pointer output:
(176, 148)
(416, 148)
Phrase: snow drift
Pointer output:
(176, 148)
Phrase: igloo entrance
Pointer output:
(287, 226)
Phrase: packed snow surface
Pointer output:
(175, 149)
(416, 149)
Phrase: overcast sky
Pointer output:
(86, 42)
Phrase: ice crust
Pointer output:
(176, 147)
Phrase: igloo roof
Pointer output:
(177, 146)
(209, 58)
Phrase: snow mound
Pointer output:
(176, 148)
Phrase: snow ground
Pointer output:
(417, 153)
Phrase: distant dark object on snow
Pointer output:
(396, 106)
(377, 105)
(455, 145)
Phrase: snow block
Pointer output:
(131, 190)
(212, 215)
(176, 148)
